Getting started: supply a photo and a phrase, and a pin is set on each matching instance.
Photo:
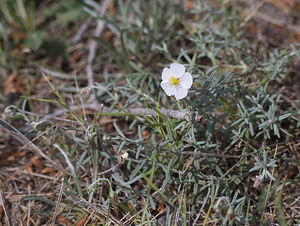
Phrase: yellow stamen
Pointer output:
(174, 81)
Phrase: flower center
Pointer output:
(174, 81)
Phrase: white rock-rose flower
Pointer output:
(175, 81)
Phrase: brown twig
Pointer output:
(278, 22)
(93, 47)
(58, 203)
(218, 155)
(3, 204)
(204, 202)
(100, 108)
(82, 29)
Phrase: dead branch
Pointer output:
(100, 108)
(93, 47)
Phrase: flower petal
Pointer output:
(166, 74)
(168, 88)
(186, 80)
(180, 93)
(177, 70)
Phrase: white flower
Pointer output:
(124, 155)
(175, 81)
